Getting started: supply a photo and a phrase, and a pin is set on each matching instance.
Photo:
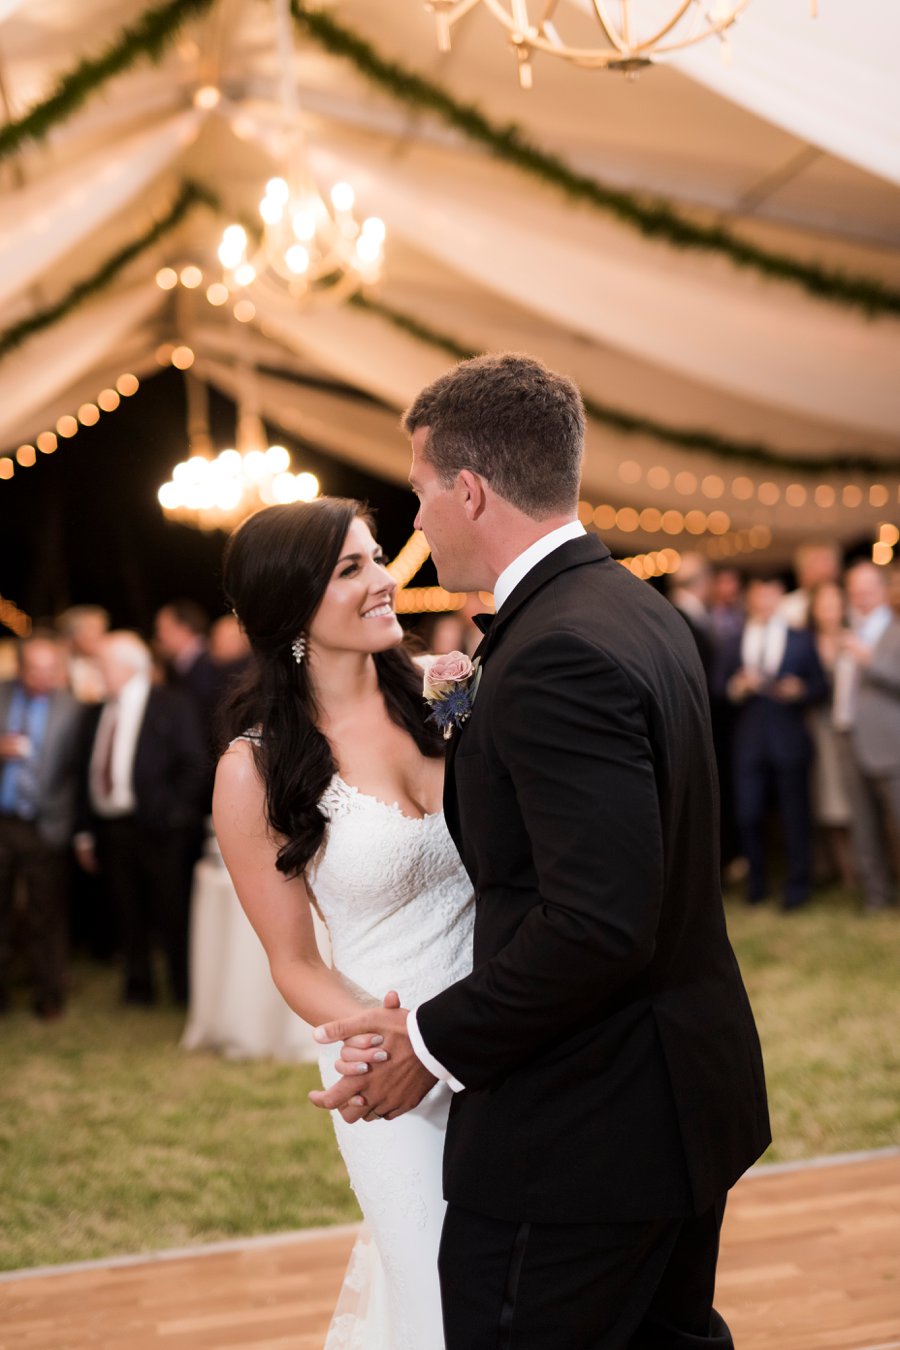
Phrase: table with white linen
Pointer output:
(235, 1009)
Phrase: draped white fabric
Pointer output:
(831, 80)
(703, 319)
(40, 223)
(480, 251)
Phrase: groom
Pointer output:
(608, 1078)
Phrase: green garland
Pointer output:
(701, 442)
(189, 196)
(148, 36)
(155, 29)
(655, 219)
(705, 442)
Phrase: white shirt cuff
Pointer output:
(422, 1053)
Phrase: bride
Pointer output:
(330, 795)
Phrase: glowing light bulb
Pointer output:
(343, 197)
(277, 190)
(297, 259)
(271, 210)
(373, 227)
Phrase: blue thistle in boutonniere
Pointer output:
(449, 690)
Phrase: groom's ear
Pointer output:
(472, 490)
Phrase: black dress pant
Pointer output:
(755, 783)
(612, 1286)
(146, 876)
(42, 871)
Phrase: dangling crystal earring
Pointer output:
(298, 647)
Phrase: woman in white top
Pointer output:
(330, 795)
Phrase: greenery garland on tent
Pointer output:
(189, 196)
(157, 27)
(193, 194)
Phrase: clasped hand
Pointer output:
(376, 1051)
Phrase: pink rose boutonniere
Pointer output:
(449, 689)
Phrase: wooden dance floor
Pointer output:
(810, 1261)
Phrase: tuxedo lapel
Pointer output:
(575, 553)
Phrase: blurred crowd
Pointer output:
(804, 692)
(107, 749)
(108, 744)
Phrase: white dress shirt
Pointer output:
(121, 718)
(763, 644)
(506, 583)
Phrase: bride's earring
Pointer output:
(298, 648)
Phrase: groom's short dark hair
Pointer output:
(510, 419)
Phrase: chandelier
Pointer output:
(641, 33)
(217, 491)
(311, 245)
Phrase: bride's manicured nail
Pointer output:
(319, 1034)
(357, 1101)
(378, 1040)
(380, 1055)
(362, 1068)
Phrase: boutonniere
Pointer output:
(449, 689)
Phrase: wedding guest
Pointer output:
(690, 591)
(82, 628)
(867, 714)
(228, 645)
(815, 563)
(831, 802)
(40, 725)
(726, 615)
(893, 581)
(142, 806)
(726, 611)
(180, 637)
(772, 675)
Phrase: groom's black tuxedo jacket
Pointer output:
(610, 1057)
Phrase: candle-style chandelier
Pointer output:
(632, 33)
(311, 245)
(217, 491)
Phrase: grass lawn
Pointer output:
(113, 1140)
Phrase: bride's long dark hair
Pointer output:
(277, 566)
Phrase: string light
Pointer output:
(13, 618)
(410, 559)
(67, 426)
(429, 600)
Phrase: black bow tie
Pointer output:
(483, 622)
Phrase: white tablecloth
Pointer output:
(235, 1008)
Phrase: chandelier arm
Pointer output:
(718, 27)
(618, 38)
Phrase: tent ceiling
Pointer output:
(478, 250)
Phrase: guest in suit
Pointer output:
(40, 725)
(82, 628)
(772, 674)
(690, 593)
(230, 653)
(867, 715)
(180, 637)
(143, 802)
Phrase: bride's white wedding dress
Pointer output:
(399, 910)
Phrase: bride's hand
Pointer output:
(366, 1049)
(390, 1090)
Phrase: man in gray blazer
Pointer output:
(40, 730)
(867, 711)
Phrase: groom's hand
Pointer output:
(393, 1085)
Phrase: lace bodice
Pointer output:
(394, 896)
